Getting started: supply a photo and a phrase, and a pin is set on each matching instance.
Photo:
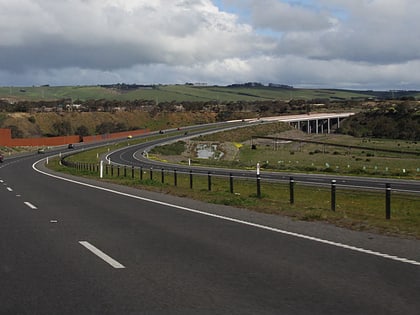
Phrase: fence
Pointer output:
(258, 187)
(7, 140)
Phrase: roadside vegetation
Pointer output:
(359, 156)
(355, 209)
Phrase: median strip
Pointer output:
(102, 255)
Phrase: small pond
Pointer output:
(208, 151)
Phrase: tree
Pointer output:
(82, 131)
(15, 131)
(63, 128)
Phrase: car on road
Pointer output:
(1, 158)
(41, 151)
(70, 146)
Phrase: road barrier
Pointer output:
(97, 168)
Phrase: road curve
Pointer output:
(133, 156)
(78, 246)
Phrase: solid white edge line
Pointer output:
(263, 227)
(30, 205)
(101, 255)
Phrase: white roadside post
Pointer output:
(101, 169)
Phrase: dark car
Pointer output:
(1, 158)
(70, 146)
(41, 151)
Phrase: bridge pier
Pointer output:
(316, 125)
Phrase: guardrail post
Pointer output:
(151, 173)
(132, 171)
(175, 178)
(259, 186)
(163, 175)
(191, 179)
(118, 171)
(231, 182)
(125, 171)
(209, 181)
(141, 172)
(112, 170)
(292, 190)
(258, 181)
(388, 201)
(333, 191)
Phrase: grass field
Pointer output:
(298, 156)
(166, 93)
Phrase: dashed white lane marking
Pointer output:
(9, 189)
(102, 255)
(30, 205)
(263, 227)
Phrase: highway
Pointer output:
(77, 246)
(133, 156)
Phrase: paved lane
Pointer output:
(180, 260)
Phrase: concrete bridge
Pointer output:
(312, 123)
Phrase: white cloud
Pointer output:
(282, 17)
(330, 43)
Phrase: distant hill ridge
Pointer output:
(157, 93)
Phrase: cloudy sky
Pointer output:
(352, 44)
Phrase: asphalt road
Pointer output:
(73, 247)
(133, 156)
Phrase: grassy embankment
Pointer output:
(355, 209)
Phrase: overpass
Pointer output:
(312, 123)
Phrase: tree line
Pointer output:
(382, 119)
(395, 121)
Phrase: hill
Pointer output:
(28, 125)
(189, 92)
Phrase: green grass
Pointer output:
(167, 93)
(354, 209)
(176, 148)
(298, 156)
